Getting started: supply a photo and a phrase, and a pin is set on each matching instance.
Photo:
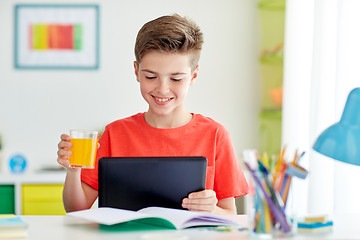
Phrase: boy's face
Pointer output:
(164, 81)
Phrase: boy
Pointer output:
(167, 52)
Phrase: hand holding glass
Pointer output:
(84, 148)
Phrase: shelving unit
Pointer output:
(272, 18)
(32, 194)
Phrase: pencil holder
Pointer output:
(270, 191)
(267, 221)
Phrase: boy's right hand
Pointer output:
(64, 152)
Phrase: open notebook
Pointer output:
(153, 217)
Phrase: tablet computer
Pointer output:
(134, 183)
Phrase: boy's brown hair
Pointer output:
(174, 34)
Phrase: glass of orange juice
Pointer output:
(84, 148)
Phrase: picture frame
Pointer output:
(56, 36)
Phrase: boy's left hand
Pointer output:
(203, 201)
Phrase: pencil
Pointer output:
(267, 218)
(278, 164)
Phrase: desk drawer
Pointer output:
(7, 199)
(42, 199)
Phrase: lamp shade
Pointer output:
(341, 141)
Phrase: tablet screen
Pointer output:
(134, 183)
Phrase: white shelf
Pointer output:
(43, 177)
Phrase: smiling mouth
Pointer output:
(162, 99)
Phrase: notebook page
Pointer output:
(181, 218)
(107, 216)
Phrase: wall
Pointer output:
(36, 106)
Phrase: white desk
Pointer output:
(59, 228)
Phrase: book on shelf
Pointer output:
(152, 218)
(12, 226)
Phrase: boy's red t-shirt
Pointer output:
(202, 136)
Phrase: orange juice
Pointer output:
(83, 152)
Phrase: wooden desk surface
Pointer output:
(60, 228)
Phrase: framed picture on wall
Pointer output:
(56, 36)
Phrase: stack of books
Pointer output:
(12, 226)
(315, 224)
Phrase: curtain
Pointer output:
(321, 67)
